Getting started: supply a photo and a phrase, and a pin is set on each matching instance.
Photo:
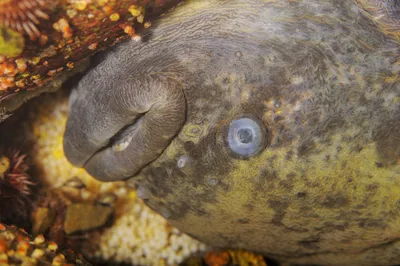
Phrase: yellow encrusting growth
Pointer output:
(141, 237)
(138, 235)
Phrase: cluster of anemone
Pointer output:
(23, 16)
(15, 187)
(137, 235)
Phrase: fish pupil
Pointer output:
(245, 135)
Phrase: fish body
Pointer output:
(272, 126)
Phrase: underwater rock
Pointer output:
(42, 219)
(55, 39)
(82, 217)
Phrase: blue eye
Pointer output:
(246, 137)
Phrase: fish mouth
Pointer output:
(132, 148)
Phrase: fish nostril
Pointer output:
(183, 161)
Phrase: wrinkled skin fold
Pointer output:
(267, 125)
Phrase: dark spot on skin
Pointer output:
(287, 184)
(226, 81)
(335, 201)
(279, 118)
(201, 212)
(291, 175)
(189, 146)
(158, 177)
(243, 220)
(305, 209)
(285, 135)
(387, 139)
(329, 124)
(160, 172)
(280, 209)
(229, 240)
(175, 210)
(270, 177)
(249, 206)
(357, 148)
(329, 227)
(289, 155)
(305, 148)
(301, 194)
(310, 243)
(224, 185)
(227, 105)
(351, 49)
(288, 181)
(375, 223)
(266, 180)
(272, 159)
(372, 187)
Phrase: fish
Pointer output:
(271, 126)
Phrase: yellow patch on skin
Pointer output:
(193, 132)
(334, 176)
(392, 79)
(171, 152)
(354, 182)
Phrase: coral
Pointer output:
(23, 15)
(228, 258)
(15, 187)
(18, 248)
(232, 257)
(138, 235)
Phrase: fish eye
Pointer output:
(246, 137)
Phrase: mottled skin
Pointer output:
(322, 77)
